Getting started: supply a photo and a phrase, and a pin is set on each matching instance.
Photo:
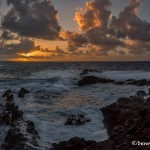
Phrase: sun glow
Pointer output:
(130, 42)
(29, 54)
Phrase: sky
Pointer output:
(74, 30)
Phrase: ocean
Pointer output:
(54, 95)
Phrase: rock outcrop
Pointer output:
(76, 120)
(22, 134)
(87, 71)
(87, 80)
(127, 122)
(22, 92)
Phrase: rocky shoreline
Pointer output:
(22, 134)
(127, 120)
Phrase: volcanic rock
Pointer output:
(86, 71)
(22, 92)
(76, 120)
(87, 80)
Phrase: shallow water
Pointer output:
(54, 95)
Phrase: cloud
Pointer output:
(59, 51)
(100, 33)
(12, 50)
(134, 31)
(94, 24)
(6, 35)
(34, 18)
(108, 33)
(95, 15)
(128, 24)
(75, 40)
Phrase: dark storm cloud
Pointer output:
(34, 18)
(75, 40)
(128, 24)
(132, 29)
(24, 46)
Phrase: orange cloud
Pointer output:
(95, 15)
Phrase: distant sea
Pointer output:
(54, 95)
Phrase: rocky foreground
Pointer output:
(127, 122)
(21, 134)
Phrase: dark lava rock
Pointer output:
(142, 82)
(86, 71)
(5, 118)
(9, 95)
(16, 140)
(22, 92)
(130, 80)
(6, 93)
(119, 83)
(141, 93)
(76, 120)
(148, 99)
(128, 120)
(87, 80)
(149, 91)
(10, 106)
(22, 134)
(80, 144)
(16, 115)
(10, 114)
(31, 129)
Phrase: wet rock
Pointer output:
(86, 71)
(142, 82)
(119, 83)
(149, 91)
(138, 82)
(16, 115)
(17, 140)
(76, 120)
(141, 93)
(6, 93)
(75, 144)
(128, 120)
(22, 134)
(9, 95)
(130, 80)
(10, 106)
(22, 92)
(148, 100)
(5, 118)
(14, 140)
(87, 80)
(31, 129)
(81, 144)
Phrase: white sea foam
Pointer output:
(124, 75)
